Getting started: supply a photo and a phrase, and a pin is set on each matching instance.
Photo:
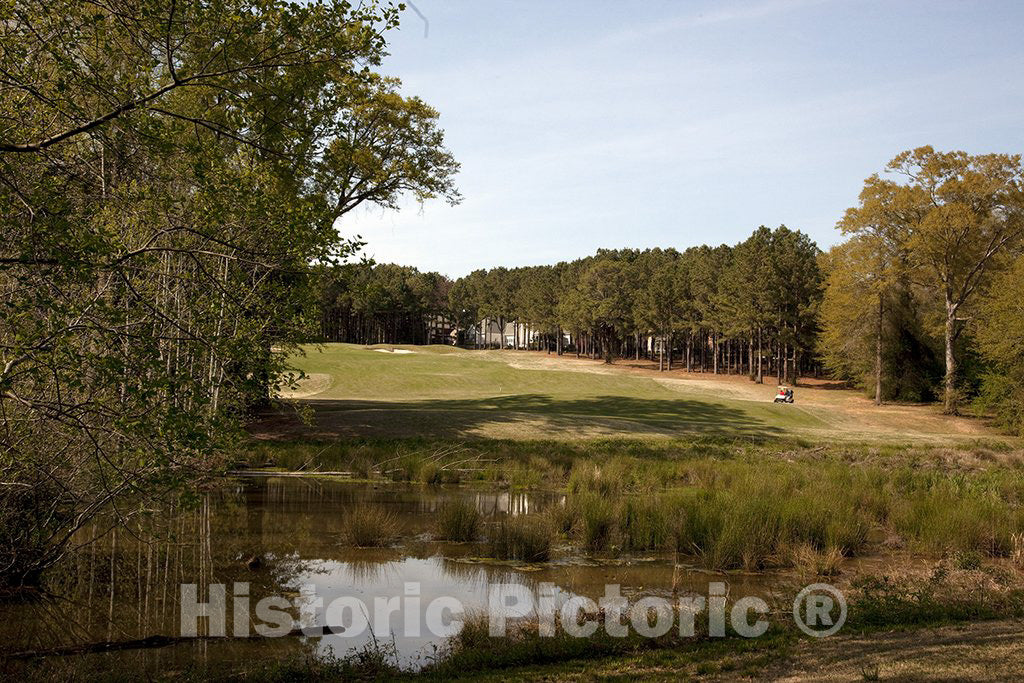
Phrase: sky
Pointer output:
(597, 124)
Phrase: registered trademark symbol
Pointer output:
(813, 608)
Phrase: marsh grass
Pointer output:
(645, 524)
(597, 515)
(1017, 552)
(459, 520)
(563, 516)
(732, 503)
(528, 538)
(369, 526)
(811, 562)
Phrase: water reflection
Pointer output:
(277, 534)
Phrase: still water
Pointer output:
(278, 534)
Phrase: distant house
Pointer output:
(488, 334)
(526, 335)
(440, 329)
(484, 333)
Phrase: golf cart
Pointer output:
(785, 395)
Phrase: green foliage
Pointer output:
(170, 174)
(1000, 337)
(948, 226)
(766, 288)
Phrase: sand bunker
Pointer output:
(394, 350)
(311, 385)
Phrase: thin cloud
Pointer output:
(721, 15)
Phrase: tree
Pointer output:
(171, 177)
(954, 215)
(1000, 334)
(853, 312)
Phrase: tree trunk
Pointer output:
(714, 352)
(750, 356)
(778, 363)
(661, 354)
(878, 354)
(760, 358)
(950, 381)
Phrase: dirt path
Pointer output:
(985, 651)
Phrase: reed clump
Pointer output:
(459, 521)
(369, 526)
(528, 538)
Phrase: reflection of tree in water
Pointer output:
(125, 584)
(480, 575)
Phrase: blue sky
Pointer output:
(582, 125)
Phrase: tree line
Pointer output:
(749, 308)
(367, 303)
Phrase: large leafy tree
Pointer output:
(954, 215)
(171, 177)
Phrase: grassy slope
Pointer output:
(439, 390)
(445, 392)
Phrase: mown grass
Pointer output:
(453, 392)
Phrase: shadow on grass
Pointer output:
(599, 415)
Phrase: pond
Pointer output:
(279, 536)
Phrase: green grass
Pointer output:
(730, 503)
(597, 517)
(450, 392)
